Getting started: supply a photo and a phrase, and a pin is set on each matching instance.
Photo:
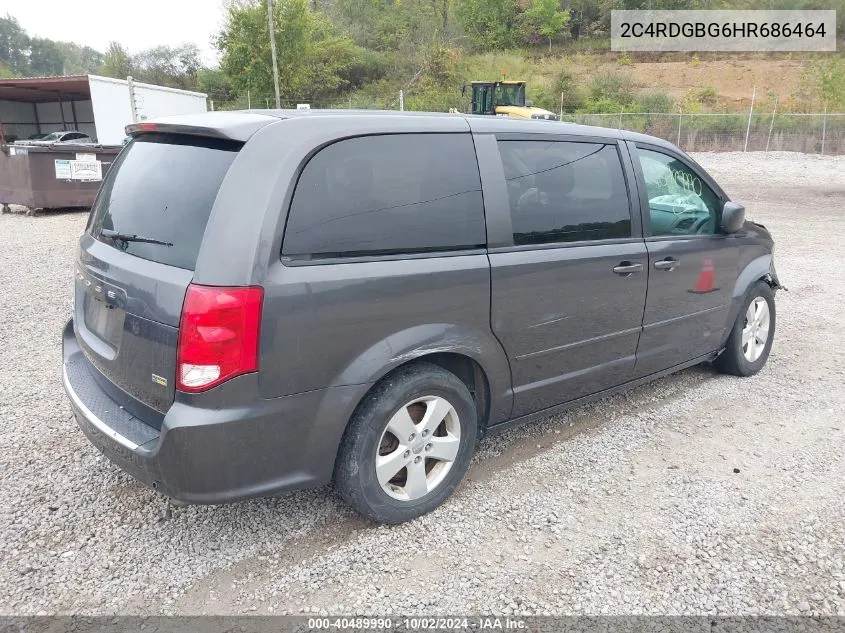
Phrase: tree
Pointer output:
(314, 60)
(45, 58)
(14, 45)
(117, 62)
(394, 25)
(6, 72)
(79, 60)
(174, 66)
(215, 84)
(546, 18)
(489, 23)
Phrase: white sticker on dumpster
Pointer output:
(62, 170)
(86, 170)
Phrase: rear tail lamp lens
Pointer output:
(218, 336)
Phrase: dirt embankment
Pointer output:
(733, 80)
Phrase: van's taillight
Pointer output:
(218, 336)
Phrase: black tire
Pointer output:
(355, 470)
(732, 360)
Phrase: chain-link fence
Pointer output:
(806, 133)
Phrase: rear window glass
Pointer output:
(162, 187)
(388, 194)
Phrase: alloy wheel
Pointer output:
(755, 332)
(418, 448)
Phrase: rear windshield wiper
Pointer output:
(125, 237)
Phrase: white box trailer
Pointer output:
(97, 106)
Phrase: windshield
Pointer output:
(162, 187)
(510, 95)
(55, 136)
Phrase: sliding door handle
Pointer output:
(667, 264)
(627, 268)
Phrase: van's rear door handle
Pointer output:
(666, 264)
(627, 268)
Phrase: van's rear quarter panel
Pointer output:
(348, 323)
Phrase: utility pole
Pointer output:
(273, 51)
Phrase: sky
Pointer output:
(137, 25)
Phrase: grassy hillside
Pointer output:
(609, 82)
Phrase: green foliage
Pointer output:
(490, 24)
(174, 66)
(545, 18)
(655, 102)
(367, 67)
(395, 25)
(315, 61)
(117, 62)
(604, 105)
(14, 46)
(45, 58)
(441, 65)
(6, 72)
(489, 66)
(79, 60)
(433, 98)
(568, 91)
(214, 83)
(690, 104)
(708, 95)
(611, 88)
(825, 82)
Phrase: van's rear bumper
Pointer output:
(221, 446)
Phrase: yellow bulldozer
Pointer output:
(507, 99)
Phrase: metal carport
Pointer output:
(40, 105)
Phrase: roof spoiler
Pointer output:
(135, 129)
(230, 126)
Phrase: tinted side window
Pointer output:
(565, 192)
(388, 194)
(679, 202)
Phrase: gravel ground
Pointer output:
(696, 494)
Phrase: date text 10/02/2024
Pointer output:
(417, 624)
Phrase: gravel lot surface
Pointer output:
(695, 494)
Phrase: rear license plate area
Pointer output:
(103, 320)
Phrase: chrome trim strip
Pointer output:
(93, 419)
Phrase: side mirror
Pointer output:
(463, 90)
(733, 217)
(529, 103)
